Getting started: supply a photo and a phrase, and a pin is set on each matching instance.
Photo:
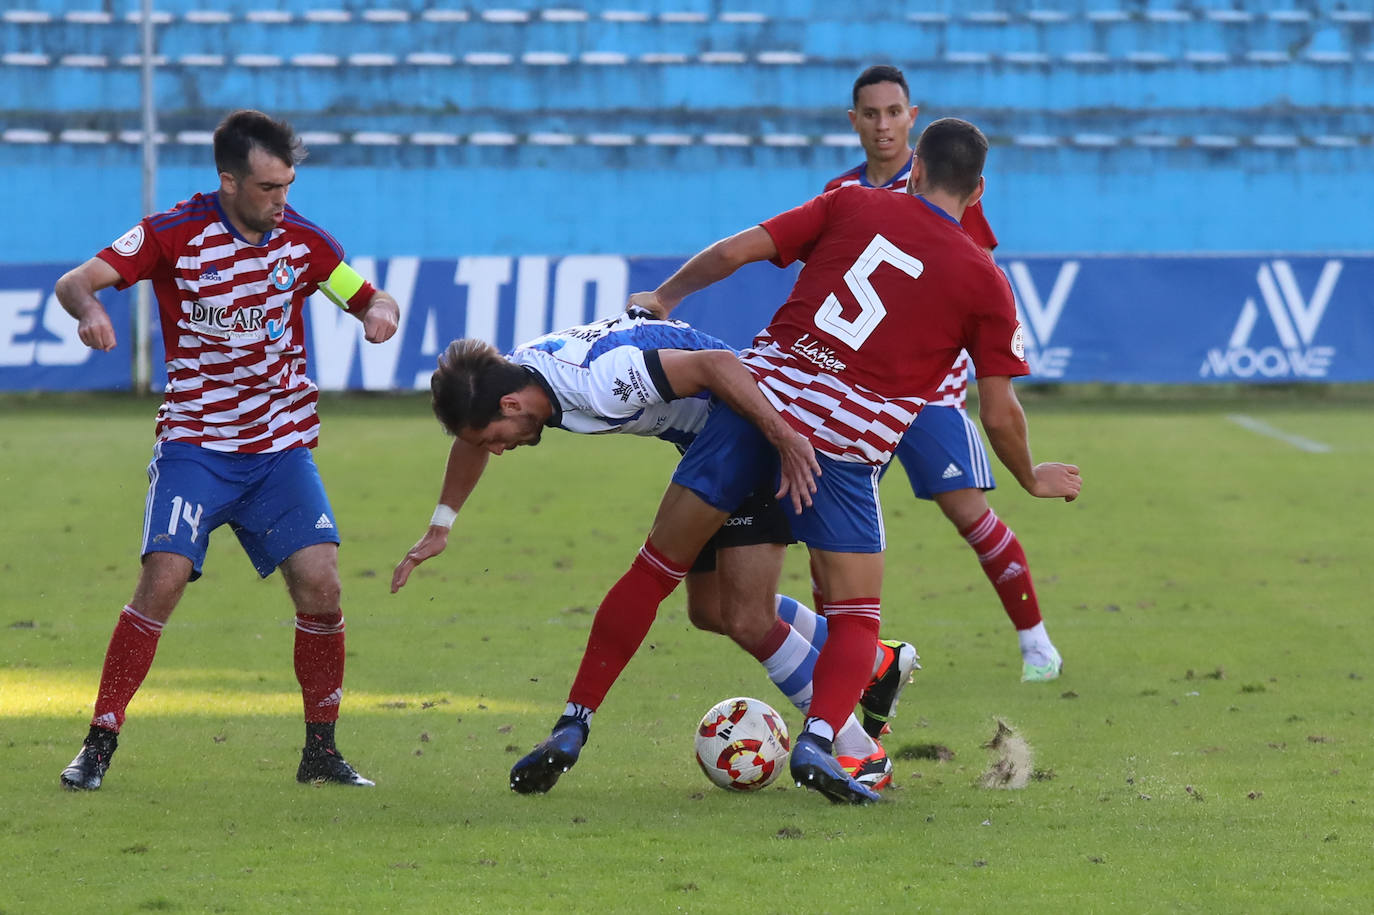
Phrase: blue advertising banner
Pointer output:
(1185, 320)
(39, 348)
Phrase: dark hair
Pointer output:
(952, 153)
(242, 130)
(471, 380)
(881, 73)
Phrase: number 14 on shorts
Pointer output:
(182, 511)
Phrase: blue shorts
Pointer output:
(275, 503)
(730, 457)
(942, 452)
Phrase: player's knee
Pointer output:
(748, 629)
(317, 596)
(705, 615)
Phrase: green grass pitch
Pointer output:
(1208, 749)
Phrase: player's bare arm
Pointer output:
(381, 317)
(721, 372)
(465, 466)
(76, 293)
(1004, 421)
(706, 267)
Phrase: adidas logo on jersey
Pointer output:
(324, 523)
(1012, 571)
(210, 276)
(951, 472)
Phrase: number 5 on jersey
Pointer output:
(871, 309)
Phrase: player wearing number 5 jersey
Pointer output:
(942, 453)
(231, 271)
(892, 289)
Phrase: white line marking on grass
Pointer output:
(1263, 428)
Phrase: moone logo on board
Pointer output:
(1295, 319)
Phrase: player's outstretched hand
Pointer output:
(647, 301)
(381, 318)
(95, 330)
(431, 544)
(799, 471)
(1057, 481)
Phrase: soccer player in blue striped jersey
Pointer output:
(635, 375)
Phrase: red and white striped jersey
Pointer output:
(893, 289)
(232, 323)
(953, 391)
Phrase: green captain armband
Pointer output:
(342, 285)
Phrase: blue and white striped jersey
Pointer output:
(606, 377)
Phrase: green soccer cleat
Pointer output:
(1042, 667)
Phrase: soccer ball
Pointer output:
(742, 744)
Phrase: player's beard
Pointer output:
(535, 430)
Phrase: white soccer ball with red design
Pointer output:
(742, 744)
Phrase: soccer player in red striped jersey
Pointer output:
(231, 271)
(942, 453)
(892, 290)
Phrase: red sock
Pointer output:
(845, 664)
(319, 658)
(621, 622)
(1004, 563)
(127, 660)
(771, 642)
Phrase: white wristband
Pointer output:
(443, 516)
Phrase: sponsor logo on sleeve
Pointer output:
(129, 243)
(633, 385)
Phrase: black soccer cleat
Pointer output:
(327, 767)
(87, 771)
(879, 699)
(538, 770)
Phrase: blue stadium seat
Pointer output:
(698, 85)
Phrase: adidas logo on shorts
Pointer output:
(324, 523)
(951, 472)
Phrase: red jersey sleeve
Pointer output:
(796, 231)
(135, 255)
(997, 343)
(976, 225)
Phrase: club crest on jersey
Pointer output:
(283, 275)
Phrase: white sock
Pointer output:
(819, 727)
(854, 741)
(581, 712)
(1035, 641)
